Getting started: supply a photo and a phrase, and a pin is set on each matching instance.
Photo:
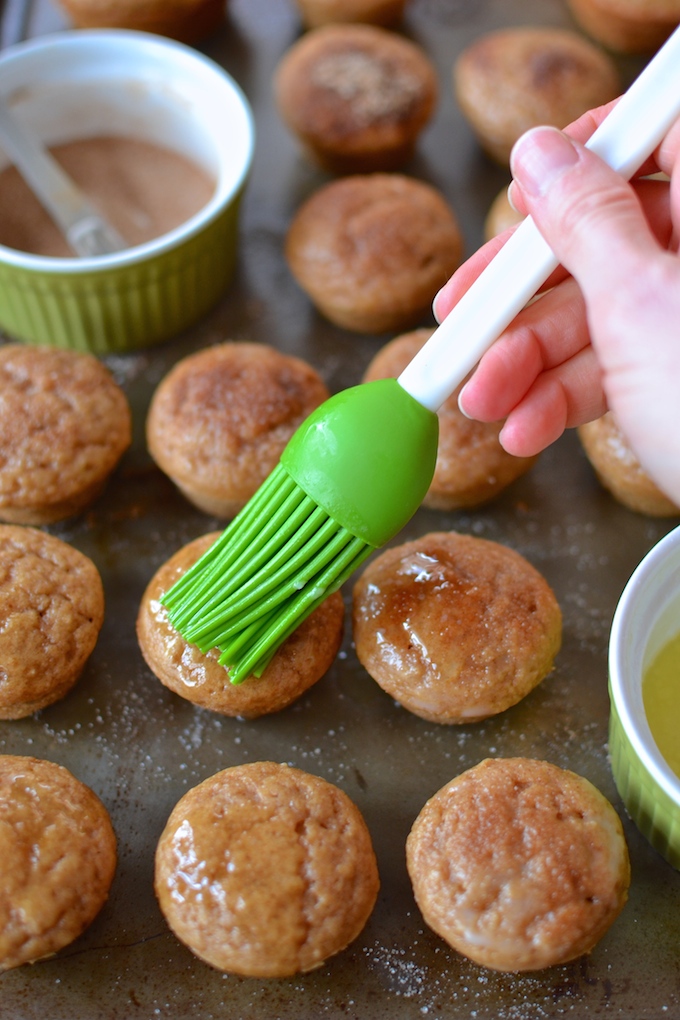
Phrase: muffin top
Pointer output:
(519, 864)
(372, 250)
(64, 424)
(58, 853)
(298, 663)
(455, 628)
(265, 870)
(219, 420)
(52, 609)
(357, 95)
(517, 78)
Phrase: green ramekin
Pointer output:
(647, 616)
(86, 83)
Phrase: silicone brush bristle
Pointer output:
(274, 564)
(349, 478)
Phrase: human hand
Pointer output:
(606, 332)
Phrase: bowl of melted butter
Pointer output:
(644, 688)
(160, 139)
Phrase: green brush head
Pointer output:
(349, 479)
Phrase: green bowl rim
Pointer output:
(29, 262)
(637, 729)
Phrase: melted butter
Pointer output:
(661, 698)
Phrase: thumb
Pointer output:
(588, 214)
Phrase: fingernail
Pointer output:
(460, 403)
(434, 307)
(540, 157)
(511, 203)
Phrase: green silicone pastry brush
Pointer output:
(358, 468)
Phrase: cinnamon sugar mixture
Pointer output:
(142, 189)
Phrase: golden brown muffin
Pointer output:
(455, 628)
(519, 864)
(187, 20)
(64, 425)
(472, 467)
(52, 609)
(619, 470)
(316, 13)
(501, 216)
(265, 870)
(219, 420)
(302, 660)
(517, 78)
(627, 26)
(356, 96)
(58, 852)
(371, 251)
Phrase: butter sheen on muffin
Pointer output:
(455, 628)
(519, 864)
(58, 852)
(265, 870)
(303, 658)
(372, 250)
(356, 96)
(52, 610)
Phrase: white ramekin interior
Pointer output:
(647, 616)
(79, 84)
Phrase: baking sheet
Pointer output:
(141, 748)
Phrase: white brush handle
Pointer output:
(627, 137)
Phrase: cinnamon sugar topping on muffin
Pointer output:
(356, 96)
(519, 864)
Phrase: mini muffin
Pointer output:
(356, 96)
(64, 425)
(219, 420)
(517, 78)
(501, 216)
(187, 20)
(58, 852)
(315, 13)
(302, 660)
(266, 871)
(619, 470)
(472, 467)
(627, 26)
(455, 628)
(372, 250)
(519, 864)
(52, 609)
